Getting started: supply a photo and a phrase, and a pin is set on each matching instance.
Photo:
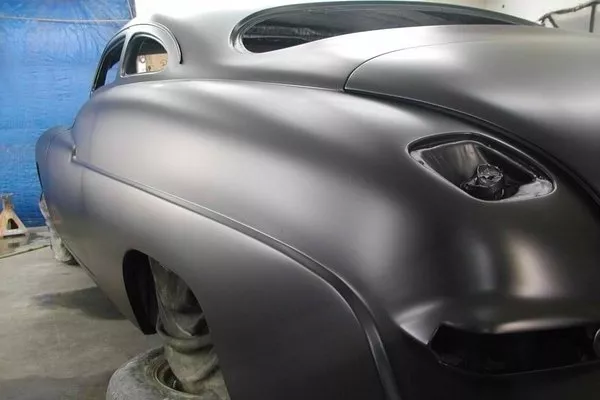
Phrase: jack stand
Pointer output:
(10, 224)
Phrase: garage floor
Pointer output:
(60, 338)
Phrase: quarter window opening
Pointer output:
(145, 54)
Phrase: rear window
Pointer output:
(290, 26)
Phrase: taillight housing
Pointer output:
(483, 168)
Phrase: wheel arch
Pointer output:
(256, 297)
(139, 285)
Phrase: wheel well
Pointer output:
(139, 284)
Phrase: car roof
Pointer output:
(225, 18)
(207, 39)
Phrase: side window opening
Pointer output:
(145, 54)
(110, 66)
(112, 73)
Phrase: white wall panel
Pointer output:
(534, 9)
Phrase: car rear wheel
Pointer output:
(182, 326)
(149, 377)
(186, 366)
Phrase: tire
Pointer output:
(148, 377)
(182, 326)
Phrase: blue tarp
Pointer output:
(49, 50)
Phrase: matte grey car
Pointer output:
(369, 200)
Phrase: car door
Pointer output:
(61, 183)
(63, 164)
(110, 128)
(66, 160)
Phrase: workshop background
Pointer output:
(49, 50)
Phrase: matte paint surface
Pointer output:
(324, 256)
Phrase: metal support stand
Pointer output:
(10, 224)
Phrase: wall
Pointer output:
(528, 9)
(534, 9)
(49, 51)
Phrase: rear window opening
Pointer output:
(289, 26)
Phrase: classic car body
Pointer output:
(316, 199)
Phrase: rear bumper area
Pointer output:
(421, 376)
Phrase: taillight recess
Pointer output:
(482, 168)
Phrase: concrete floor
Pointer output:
(36, 238)
(60, 338)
